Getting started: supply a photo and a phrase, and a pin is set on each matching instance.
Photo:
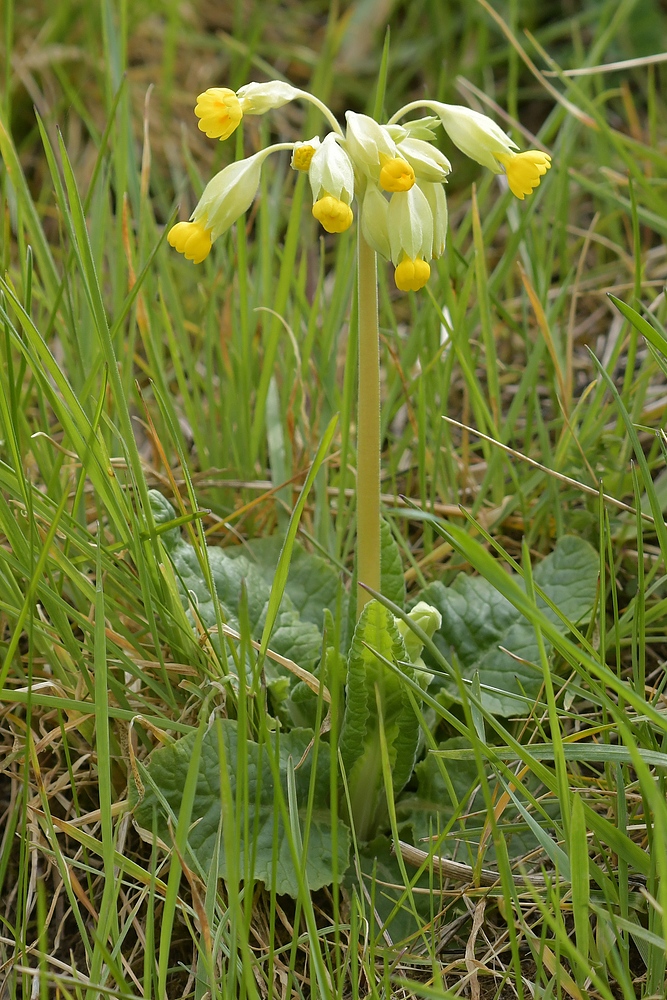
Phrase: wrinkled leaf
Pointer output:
(294, 637)
(312, 583)
(477, 621)
(269, 852)
(430, 809)
(376, 631)
(392, 581)
(391, 567)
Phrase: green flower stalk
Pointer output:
(397, 176)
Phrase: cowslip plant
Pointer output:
(397, 176)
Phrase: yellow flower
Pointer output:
(219, 112)
(333, 214)
(411, 275)
(396, 175)
(191, 239)
(302, 155)
(524, 170)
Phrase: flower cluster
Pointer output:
(394, 170)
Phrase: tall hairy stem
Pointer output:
(368, 425)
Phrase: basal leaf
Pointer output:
(269, 863)
(312, 583)
(368, 678)
(488, 634)
(391, 567)
(297, 638)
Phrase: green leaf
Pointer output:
(376, 632)
(440, 792)
(269, 853)
(488, 634)
(312, 583)
(292, 637)
(282, 569)
(392, 581)
(391, 567)
(640, 324)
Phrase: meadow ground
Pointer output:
(206, 788)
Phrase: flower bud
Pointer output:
(427, 618)
(303, 153)
(396, 175)
(411, 275)
(333, 214)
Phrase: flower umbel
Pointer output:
(398, 176)
(398, 172)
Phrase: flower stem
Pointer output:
(368, 425)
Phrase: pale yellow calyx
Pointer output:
(333, 214)
(192, 239)
(524, 170)
(396, 175)
(411, 275)
(302, 156)
(219, 112)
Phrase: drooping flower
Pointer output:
(226, 197)
(426, 160)
(220, 110)
(331, 177)
(410, 226)
(480, 138)
(369, 145)
(475, 134)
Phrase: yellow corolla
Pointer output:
(192, 239)
(524, 170)
(219, 112)
(396, 175)
(411, 275)
(333, 214)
